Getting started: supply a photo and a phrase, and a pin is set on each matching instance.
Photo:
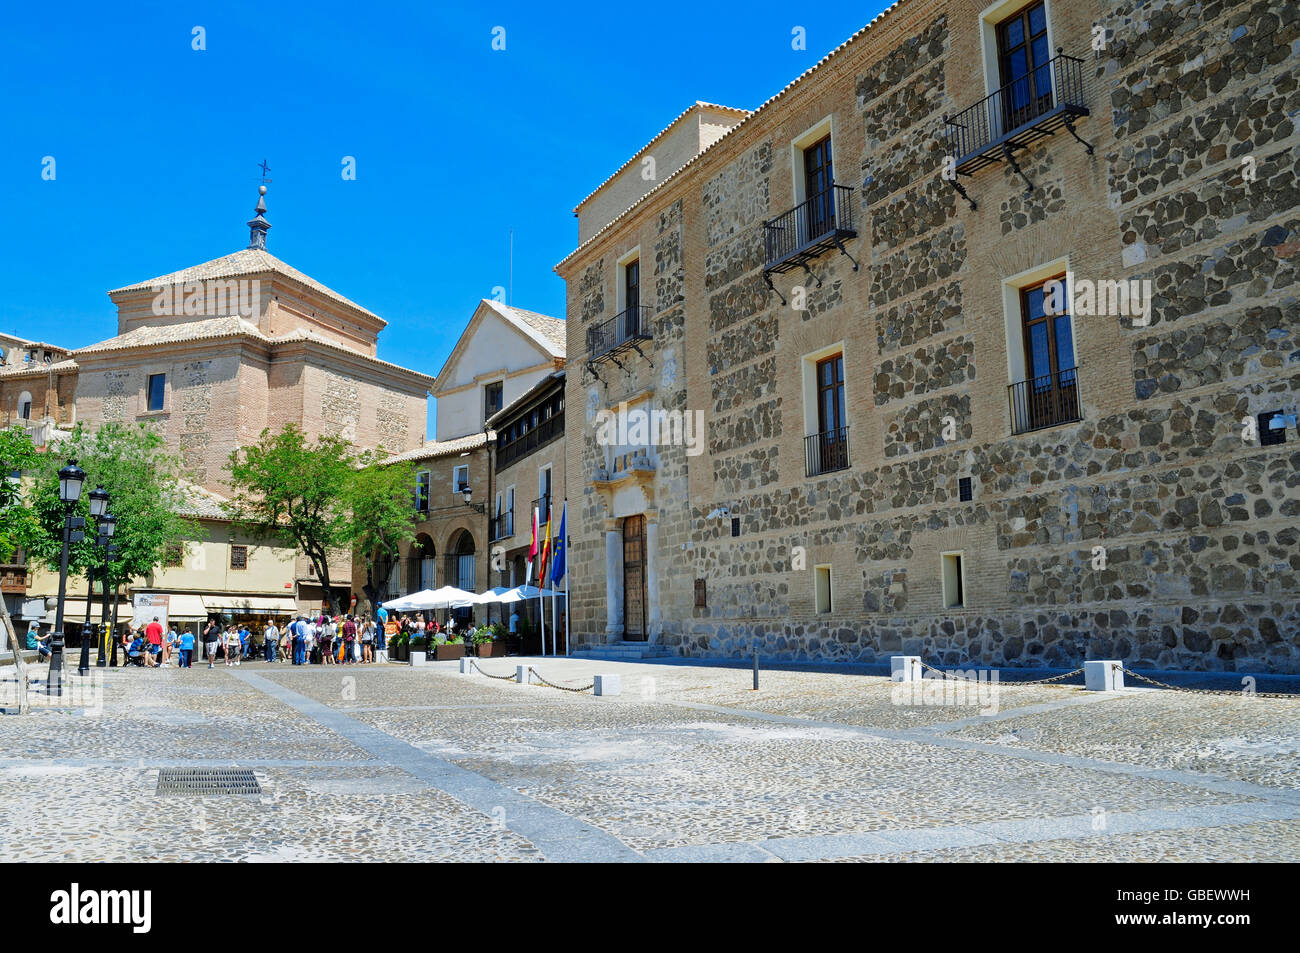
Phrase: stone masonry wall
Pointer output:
(1157, 529)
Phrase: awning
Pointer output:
(267, 605)
(181, 607)
(74, 612)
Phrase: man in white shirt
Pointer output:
(271, 637)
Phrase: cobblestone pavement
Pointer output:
(395, 763)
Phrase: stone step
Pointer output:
(622, 651)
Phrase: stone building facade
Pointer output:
(911, 444)
(212, 355)
(528, 474)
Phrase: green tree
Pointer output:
(17, 521)
(146, 494)
(296, 490)
(380, 504)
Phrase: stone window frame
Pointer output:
(946, 584)
(499, 382)
(148, 393)
(808, 368)
(25, 398)
(817, 588)
(620, 279)
(989, 19)
(826, 126)
(457, 484)
(1012, 288)
(423, 487)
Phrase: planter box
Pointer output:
(490, 650)
(397, 652)
(444, 653)
(418, 659)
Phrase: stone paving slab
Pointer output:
(395, 763)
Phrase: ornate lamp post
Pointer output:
(98, 507)
(107, 526)
(71, 478)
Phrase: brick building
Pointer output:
(915, 439)
(212, 355)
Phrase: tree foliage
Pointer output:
(146, 494)
(380, 504)
(296, 490)
(17, 523)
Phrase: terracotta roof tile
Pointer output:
(246, 261)
(690, 162)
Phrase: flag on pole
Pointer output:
(558, 559)
(532, 548)
(546, 551)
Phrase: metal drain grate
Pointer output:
(202, 781)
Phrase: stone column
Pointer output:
(653, 623)
(613, 580)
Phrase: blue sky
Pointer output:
(156, 145)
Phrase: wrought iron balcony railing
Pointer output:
(1026, 109)
(503, 525)
(624, 330)
(826, 452)
(543, 507)
(1045, 401)
(546, 431)
(810, 228)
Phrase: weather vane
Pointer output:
(265, 169)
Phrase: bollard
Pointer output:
(905, 668)
(521, 674)
(607, 685)
(756, 671)
(1102, 676)
(467, 666)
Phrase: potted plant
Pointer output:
(484, 645)
(446, 649)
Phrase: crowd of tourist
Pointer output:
(305, 640)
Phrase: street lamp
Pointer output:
(468, 494)
(107, 526)
(71, 478)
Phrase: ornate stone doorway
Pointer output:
(634, 572)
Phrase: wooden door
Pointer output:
(634, 609)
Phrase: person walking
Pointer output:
(349, 639)
(270, 637)
(211, 637)
(186, 643)
(232, 646)
(299, 641)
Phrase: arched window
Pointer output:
(25, 405)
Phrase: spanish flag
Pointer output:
(546, 551)
(532, 548)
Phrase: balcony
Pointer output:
(1021, 112)
(812, 227)
(503, 526)
(546, 431)
(542, 506)
(13, 578)
(626, 330)
(826, 452)
(1047, 401)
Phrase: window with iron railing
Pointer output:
(826, 452)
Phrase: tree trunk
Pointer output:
(20, 667)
